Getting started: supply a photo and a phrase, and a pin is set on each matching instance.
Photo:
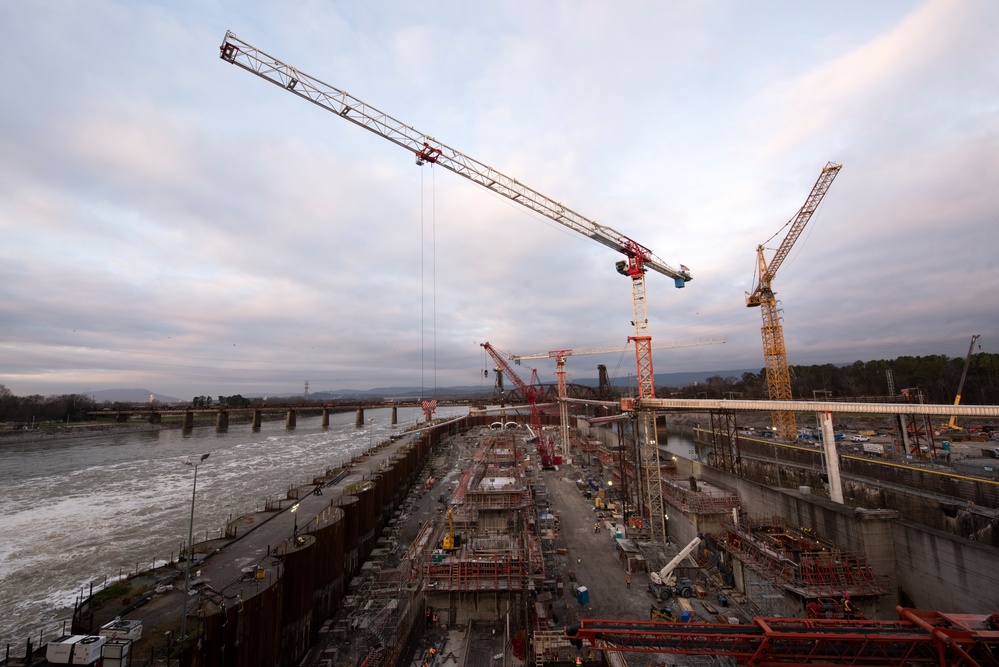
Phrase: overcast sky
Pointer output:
(172, 222)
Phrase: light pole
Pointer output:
(190, 553)
(294, 512)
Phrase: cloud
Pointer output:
(173, 222)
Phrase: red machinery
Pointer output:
(918, 638)
(530, 393)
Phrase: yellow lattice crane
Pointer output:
(774, 352)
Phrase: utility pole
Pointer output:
(190, 553)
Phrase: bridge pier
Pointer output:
(326, 417)
(289, 420)
(359, 417)
(257, 417)
(395, 415)
(222, 421)
(188, 420)
(155, 418)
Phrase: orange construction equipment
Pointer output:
(774, 352)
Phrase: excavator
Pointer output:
(663, 584)
(451, 543)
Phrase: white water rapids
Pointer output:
(74, 511)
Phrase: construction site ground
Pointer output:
(592, 561)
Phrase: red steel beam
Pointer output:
(919, 638)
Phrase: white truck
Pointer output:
(664, 584)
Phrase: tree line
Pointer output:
(37, 409)
(935, 378)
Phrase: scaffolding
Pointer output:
(799, 561)
(697, 497)
(504, 522)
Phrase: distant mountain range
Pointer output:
(662, 380)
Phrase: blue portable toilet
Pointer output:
(685, 616)
(582, 595)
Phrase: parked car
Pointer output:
(859, 438)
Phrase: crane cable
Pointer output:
(433, 284)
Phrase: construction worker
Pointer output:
(849, 609)
(627, 580)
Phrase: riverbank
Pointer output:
(71, 431)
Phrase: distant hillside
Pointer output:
(130, 396)
(409, 393)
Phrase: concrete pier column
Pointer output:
(395, 414)
(222, 421)
(326, 417)
(289, 420)
(155, 418)
(188, 420)
(359, 417)
(832, 457)
(257, 418)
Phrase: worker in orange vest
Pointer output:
(849, 609)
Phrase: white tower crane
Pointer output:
(638, 260)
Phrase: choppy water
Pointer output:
(78, 510)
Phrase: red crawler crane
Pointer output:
(530, 393)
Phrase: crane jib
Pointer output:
(237, 52)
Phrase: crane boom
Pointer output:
(798, 223)
(960, 386)
(428, 149)
(614, 349)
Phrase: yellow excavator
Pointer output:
(450, 543)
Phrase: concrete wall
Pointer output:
(940, 571)
(924, 568)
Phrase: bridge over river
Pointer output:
(154, 413)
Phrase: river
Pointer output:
(78, 510)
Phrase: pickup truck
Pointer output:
(859, 438)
